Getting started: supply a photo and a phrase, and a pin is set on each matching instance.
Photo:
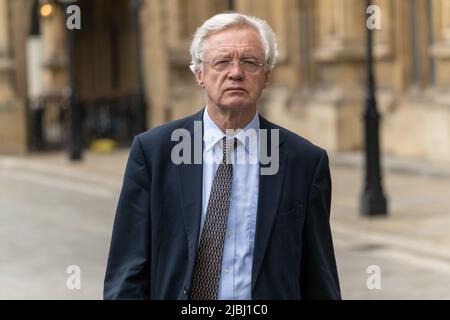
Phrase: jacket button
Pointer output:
(186, 290)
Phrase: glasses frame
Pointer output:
(241, 63)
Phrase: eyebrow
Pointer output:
(227, 55)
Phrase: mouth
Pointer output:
(236, 89)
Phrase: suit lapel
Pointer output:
(191, 184)
(270, 187)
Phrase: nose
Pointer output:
(235, 72)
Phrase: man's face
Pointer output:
(233, 88)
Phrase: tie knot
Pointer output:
(227, 147)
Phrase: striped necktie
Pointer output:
(205, 279)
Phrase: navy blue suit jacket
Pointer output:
(157, 223)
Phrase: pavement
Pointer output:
(56, 214)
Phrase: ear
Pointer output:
(199, 77)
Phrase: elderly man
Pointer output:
(224, 229)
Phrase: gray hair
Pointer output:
(227, 20)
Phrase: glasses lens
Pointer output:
(249, 66)
(221, 64)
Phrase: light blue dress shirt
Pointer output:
(236, 273)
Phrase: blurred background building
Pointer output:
(316, 90)
(126, 69)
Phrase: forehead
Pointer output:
(243, 39)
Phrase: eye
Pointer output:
(249, 62)
(221, 63)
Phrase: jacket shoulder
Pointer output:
(162, 134)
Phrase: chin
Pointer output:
(236, 104)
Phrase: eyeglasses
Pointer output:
(246, 65)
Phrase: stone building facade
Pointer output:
(317, 89)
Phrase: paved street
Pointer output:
(53, 217)
(55, 214)
(411, 246)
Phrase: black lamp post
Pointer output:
(141, 105)
(74, 115)
(36, 135)
(373, 201)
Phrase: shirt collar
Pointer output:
(213, 134)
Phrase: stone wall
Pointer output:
(318, 86)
